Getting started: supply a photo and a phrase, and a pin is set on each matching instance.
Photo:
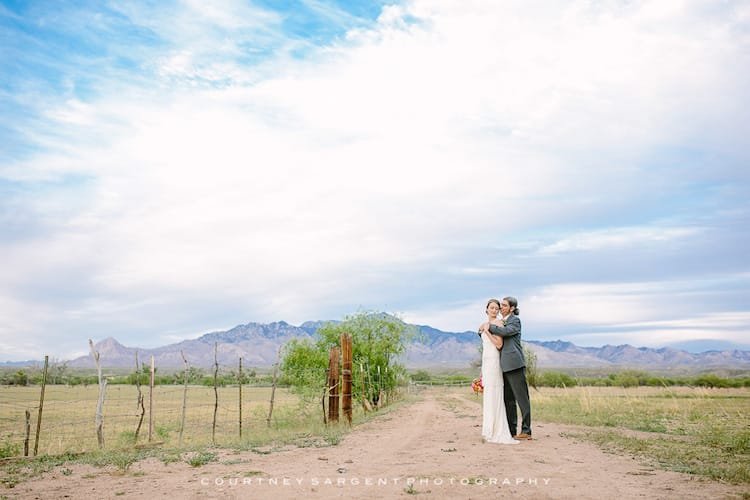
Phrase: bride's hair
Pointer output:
(490, 302)
(513, 303)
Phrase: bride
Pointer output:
(495, 427)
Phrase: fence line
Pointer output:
(78, 418)
(71, 425)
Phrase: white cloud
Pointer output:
(621, 304)
(617, 237)
(722, 326)
(294, 186)
(659, 311)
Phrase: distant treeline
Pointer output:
(624, 378)
(195, 376)
(58, 375)
(635, 378)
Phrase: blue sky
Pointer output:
(173, 168)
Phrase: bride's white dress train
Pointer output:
(494, 421)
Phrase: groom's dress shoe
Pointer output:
(523, 435)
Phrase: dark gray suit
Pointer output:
(513, 366)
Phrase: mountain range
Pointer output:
(258, 344)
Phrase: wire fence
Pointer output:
(56, 419)
(68, 419)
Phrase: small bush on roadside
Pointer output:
(9, 449)
(201, 458)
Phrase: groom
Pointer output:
(513, 366)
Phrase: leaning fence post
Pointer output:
(41, 405)
(140, 402)
(273, 388)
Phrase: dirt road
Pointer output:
(429, 449)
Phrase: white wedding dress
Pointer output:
(494, 421)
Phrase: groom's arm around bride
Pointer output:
(513, 367)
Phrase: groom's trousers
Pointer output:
(516, 391)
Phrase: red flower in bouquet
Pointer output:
(477, 386)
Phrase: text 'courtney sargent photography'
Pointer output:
(372, 481)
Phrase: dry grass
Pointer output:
(68, 419)
(695, 430)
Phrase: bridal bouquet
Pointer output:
(476, 385)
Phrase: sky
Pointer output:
(173, 168)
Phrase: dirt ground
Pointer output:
(429, 449)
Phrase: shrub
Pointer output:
(9, 449)
(420, 376)
(710, 380)
(556, 379)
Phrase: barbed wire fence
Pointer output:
(57, 419)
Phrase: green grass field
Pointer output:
(696, 430)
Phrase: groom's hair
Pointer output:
(513, 303)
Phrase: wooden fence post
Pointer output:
(100, 401)
(41, 405)
(151, 402)
(333, 385)
(323, 401)
(273, 387)
(141, 401)
(216, 391)
(184, 394)
(28, 434)
(239, 380)
(346, 376)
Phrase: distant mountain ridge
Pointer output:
(258, 344)
(548, 353)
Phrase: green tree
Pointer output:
(378, 341)
(556, 379)
(20, 378)
(631, 378)
(421, 376)
(710, 380)
(194, 376)
(143, 376)
(303, 367)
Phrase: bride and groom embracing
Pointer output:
(503, 374)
